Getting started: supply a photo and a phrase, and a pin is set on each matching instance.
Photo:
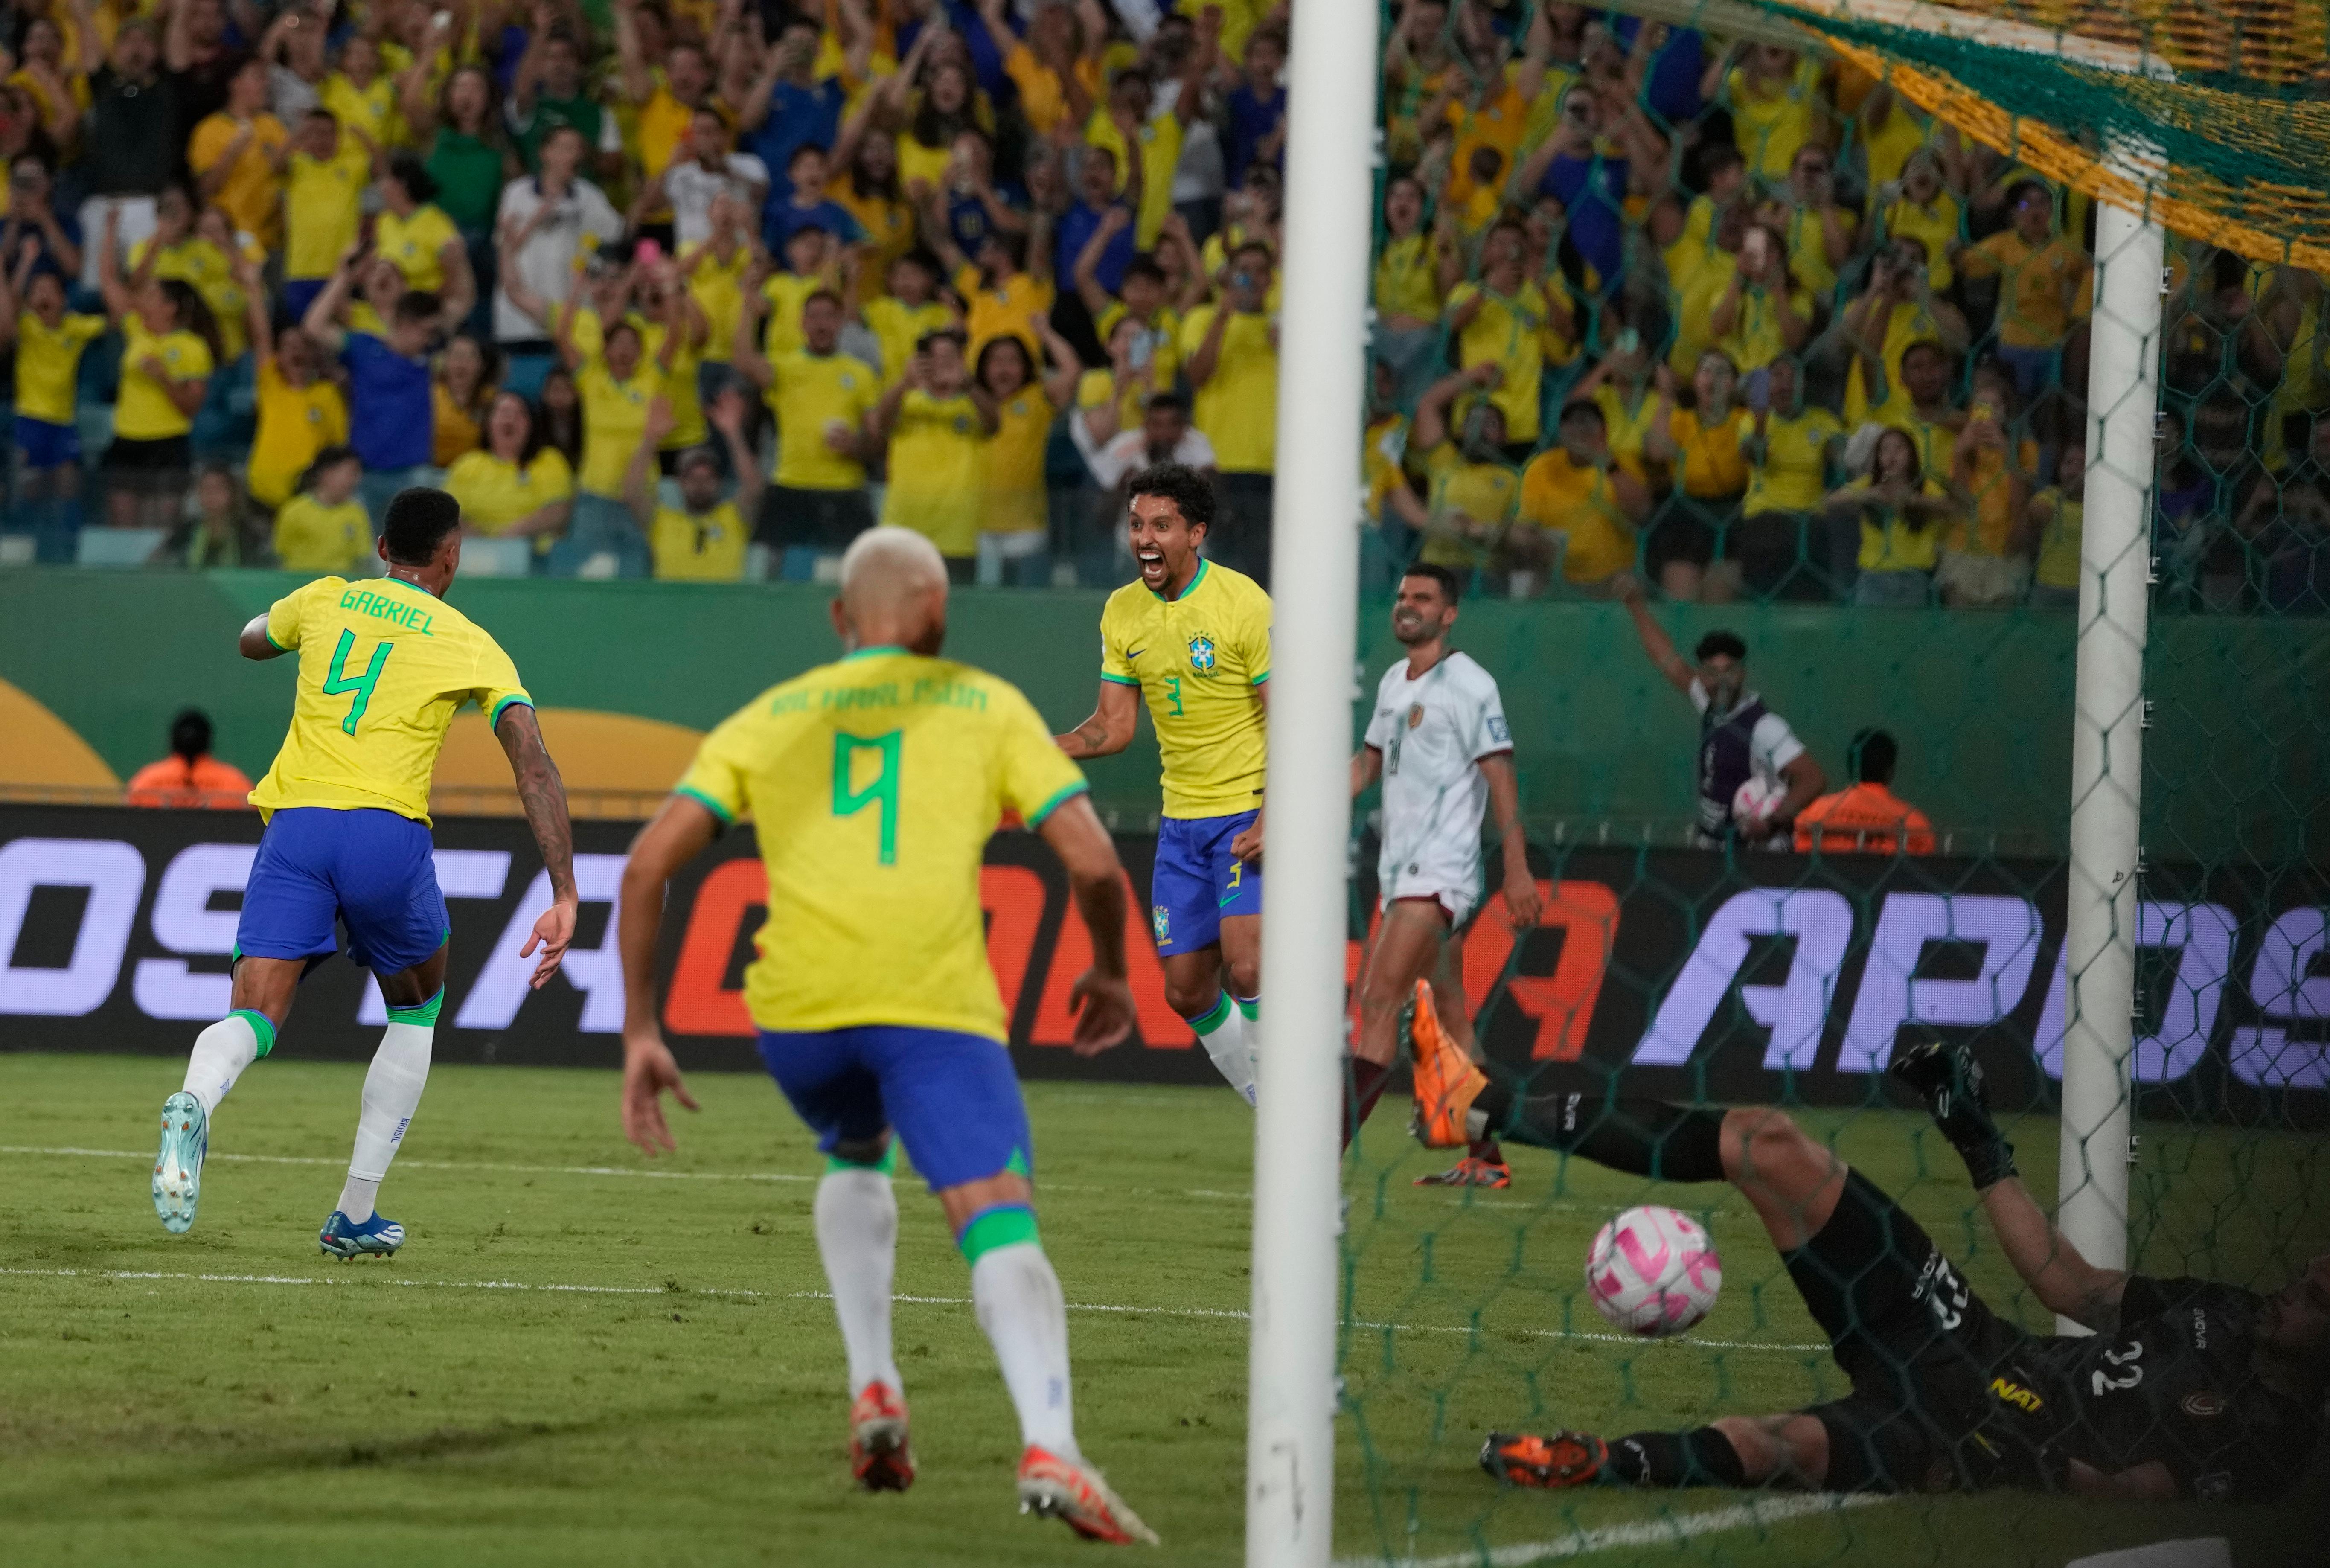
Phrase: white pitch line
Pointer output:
(1671, 1530)
(1220, 1314)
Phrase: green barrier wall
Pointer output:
(2236, 756)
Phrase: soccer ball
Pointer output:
(1653, 1271)
(1756, 799)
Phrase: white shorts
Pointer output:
(1452, 881)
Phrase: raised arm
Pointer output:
(1067, 369)
(256, 319)
(731, 414)
(1657, 643)
(679, 832)
(319, 321)
(1111, 727)
(545, 795)
(1101, 998)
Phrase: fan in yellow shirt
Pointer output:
(1473, 493)
(715, 270)
(1591, 498)
(323, 179)
(49, 342)
(1229, 352)
(1904, 515)
(1505, 319)
(513, 486)
(415, 233)
(362, 96)
(171, 350)
(1015, 508)
(704, 539)
(1775, 100)
(238, 155)
(1158, 137)
(324, 530)
(300, 409)
(1788, 449)
(935, 430)
(899, 318)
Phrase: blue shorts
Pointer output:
(1196, 881)
(952, 1096)
(372, 871)
(47, 446)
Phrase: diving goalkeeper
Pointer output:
(2186, 1389)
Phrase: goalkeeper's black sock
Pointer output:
(1641, 1137)
(1702, 1456)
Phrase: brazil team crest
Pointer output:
(1201, 653)
(1161, 921)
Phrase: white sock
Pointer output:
(220, 1054)
(1223, 1033)
(391, 1093)
(1249, 1009)
(1017, 1299)
(857, 1237)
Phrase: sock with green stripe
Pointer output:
(1017, 1299)
(1227, 1036)
(857, 1239)
(391, 1093)
(223, 1051)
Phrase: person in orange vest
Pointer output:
(190, 776)
(1867, 819)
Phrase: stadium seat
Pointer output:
(497, 557)
(117, 547)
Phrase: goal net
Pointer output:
(1781, 252)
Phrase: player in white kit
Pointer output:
(1438, 739)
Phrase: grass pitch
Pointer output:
(582, 1358)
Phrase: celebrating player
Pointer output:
(2186, 1389)
(1438, 742)
(1192, 637)
(877, 783)
(383, 664)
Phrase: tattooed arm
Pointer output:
(545, 795)
(1110, 728)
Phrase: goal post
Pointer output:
(1315, 547)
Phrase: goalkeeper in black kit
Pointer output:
(2186, 1389)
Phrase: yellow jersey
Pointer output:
(699, 546)
(898, 327)
(383, 665)
(323, 207)
(370, 109)
(1197, 660)
(2059, 541)
(1794, 474)
(144, 412)
(787, 293)
(718, 288)
(688, 428)
(416, 244)
(1509, 330)
(1578, 500)
(495, 493)
(1407, 280)
(250, 190)
(310, 537)
(2044, 289)
(1012, 306)
(877, 782)
(1889, 543)
(615, 422)
(1484, 493)
(935, 463)
(48, 364)
(1237, 408)
(1712, 466)
(809, 393)
(1013, 498)
(295, 423)
(1160, 141)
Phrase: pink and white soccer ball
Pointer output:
(1653, 1271)
(1756, 798)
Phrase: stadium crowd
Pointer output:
(703, 287)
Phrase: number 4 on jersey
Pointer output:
(848, 799)
(336, 680)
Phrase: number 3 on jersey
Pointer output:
(848, 798)
(336, 680)
(1173, 694)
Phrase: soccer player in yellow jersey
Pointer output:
(874, 783)
(1192, 637)
(383, 666)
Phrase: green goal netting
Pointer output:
(1753, 263)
